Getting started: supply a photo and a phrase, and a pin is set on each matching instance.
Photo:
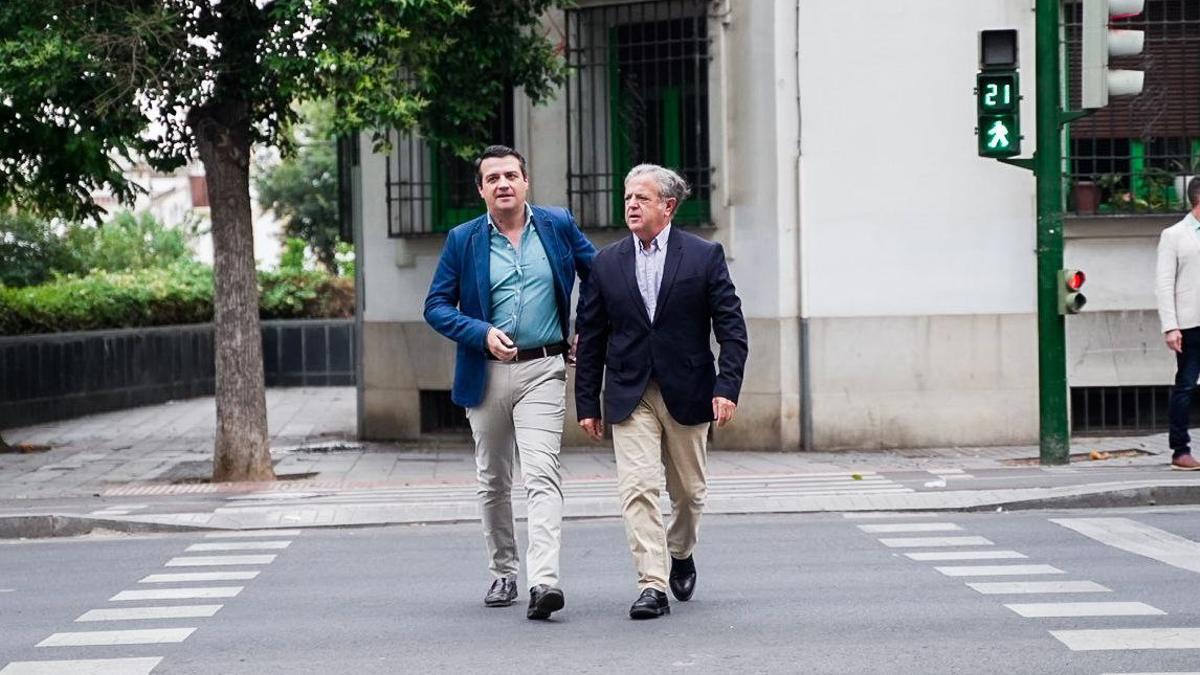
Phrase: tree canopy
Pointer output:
(86, 83)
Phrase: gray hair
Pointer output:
(670, 184)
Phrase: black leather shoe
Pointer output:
(502, 593)
(543, 601)
(651, 604)
(683, 578)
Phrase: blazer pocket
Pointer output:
(700, 360)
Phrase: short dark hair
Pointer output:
(1193, 191)
(493, 151)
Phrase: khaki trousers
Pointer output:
(521, 418)
(647, 444)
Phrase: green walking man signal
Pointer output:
(998, 95)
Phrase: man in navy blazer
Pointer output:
(644, 325)
(502, 292)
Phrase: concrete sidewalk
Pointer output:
(161, 456)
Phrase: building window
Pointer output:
(429, 189)
(637, 92)
(1138, 151)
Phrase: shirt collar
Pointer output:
(528, 219)
(1194, 221)
(659, 241)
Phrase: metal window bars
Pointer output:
(637, 92)
(428, 190)
(1136, 154)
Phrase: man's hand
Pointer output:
(500, 345)
(571, 352)
(594, 428)
(1174, 340)
(723, 410)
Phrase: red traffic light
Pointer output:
(1074, 279)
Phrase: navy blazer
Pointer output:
(618, 338)
(459, 303)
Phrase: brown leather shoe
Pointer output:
(1185, 463)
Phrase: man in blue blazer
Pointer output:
(644, 324)
(502, 291)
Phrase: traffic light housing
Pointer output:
(1070, 300)
(998, 95)
(1100, 42)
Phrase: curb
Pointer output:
(37, 526)
(47, 525)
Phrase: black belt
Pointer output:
(542, 352)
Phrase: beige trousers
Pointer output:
(647, 444)
(521, 418)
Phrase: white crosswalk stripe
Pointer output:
(1071, 609)
(218, 560)
(888, 528)
(933, 542)
(142, 613)
(197, 576)
(997, 570)
(97, 638)
(1019, 587)
(1114, 639)
(178, 593)
(931, 556)
(142, 665)
(239, 546)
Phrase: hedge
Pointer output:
(180, 294)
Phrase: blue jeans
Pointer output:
(1187, 370)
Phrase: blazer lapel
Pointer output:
(670, 267)
(481, 252)
(628, 256)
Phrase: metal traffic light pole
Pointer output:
(1054, 431)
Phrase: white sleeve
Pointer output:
(1164, 281)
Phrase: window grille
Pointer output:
(429, 189)
(637, 92)
(1127, 409)
(1138, 151)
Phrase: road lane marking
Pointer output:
(129, 666)
(1134, 537)
(1013, 587)
(216, 560)
(997, 570)
(252, 533)
(927, 556)
(140, 613)
(197, 576)
(884, 515)
(915, 542)
(178, 593)
(239, 546)
(908, 527)
(104, 638)
(1112, 639)
(1039, 610)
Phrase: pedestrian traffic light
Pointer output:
(1070, 300)
(998, 94)
(1101, 42)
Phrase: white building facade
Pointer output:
(887, 273)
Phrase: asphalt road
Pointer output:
(803, 593)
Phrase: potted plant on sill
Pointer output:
(1085, 196)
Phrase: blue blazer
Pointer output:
(459, 303)
(619, 340)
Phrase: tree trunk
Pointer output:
(242, 451)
